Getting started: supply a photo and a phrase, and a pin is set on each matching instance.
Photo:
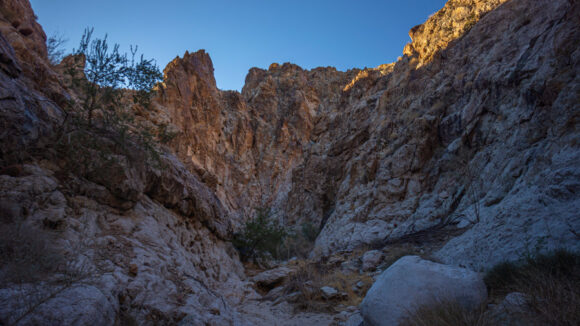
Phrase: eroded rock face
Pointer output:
(147, 262)
(129, 244)
(455, 19)
(484, 134)
(245, 146)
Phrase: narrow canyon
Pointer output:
(464, 152)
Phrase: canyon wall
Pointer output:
(475, 128)
(127, 243)
(245, 145)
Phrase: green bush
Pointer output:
(310, 231)
(260, 235)
(106, 72)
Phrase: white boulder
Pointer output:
(411, 282)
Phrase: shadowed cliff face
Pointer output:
(481, 133)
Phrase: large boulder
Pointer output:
(411, 282)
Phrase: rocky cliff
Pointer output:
(455, 133)
(125, 243)
(245, 145)
(473, 133)
(476, 126)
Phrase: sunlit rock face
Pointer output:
(446, 25)
(245, 145)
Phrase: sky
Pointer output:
(239, 35)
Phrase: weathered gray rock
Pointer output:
(354, 320)
(272, 277)
(329, 293)
(483, 132)
(371, 259)
(81, 305)
(411, 282)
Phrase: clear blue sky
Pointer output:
(242, 34)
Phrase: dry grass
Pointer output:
(311, 276)
(550, 283)
(449, 313)
(553, 298)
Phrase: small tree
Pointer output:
(107, 70)
(262, 234)
(142, 77)
(55, 48)
(105, 125)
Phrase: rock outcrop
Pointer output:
(245, 146)
(126, 243)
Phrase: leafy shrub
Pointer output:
(260, 235)
(106, 71)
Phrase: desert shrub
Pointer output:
(309, 231)
(261, 235)
(102, 124)
(501, 278)
(507, 277)
(106, 72)
(550, 282)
